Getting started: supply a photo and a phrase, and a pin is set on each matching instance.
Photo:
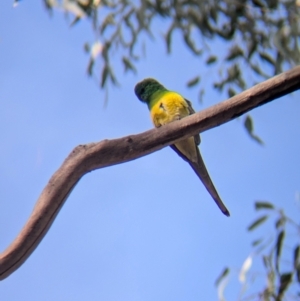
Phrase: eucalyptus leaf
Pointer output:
(267, 58)
(193, 82)
(224, 274)
(211, 59)
(280, 222)
(200, 95)
(263, 205)
(248, 123)
(231, 92)
(285, 281)
(105, 73)
(128, 64)
(297, 257)
(257, 222)
(234, 52)
(256, 242)
(279, 243)
(90, 67)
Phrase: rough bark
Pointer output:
(86, 158)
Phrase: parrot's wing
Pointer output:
(192, 111)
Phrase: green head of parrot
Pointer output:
(145, 89)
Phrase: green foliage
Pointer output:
(285, 281)
(259, 36)
(193, 82)
(279, 251)
(222, 276)
(257, 222)
(211, 59)
(263, 205)
(248, 123)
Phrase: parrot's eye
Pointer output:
(142, 90)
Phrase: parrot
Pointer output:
(166, 106)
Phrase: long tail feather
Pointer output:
(202, 173)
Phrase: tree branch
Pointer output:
(86, 158)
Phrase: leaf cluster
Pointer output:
(260, 36)
(280, 255)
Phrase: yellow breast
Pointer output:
(171, 106)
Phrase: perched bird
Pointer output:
(166, 106)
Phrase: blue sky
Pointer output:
(144, 230)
